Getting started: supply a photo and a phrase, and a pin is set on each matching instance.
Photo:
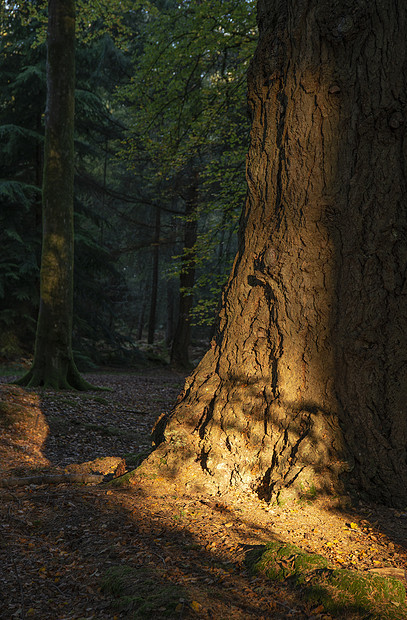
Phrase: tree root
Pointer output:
(52, 479)
(68, 380)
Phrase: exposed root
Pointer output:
(52, 479)
(70, 379)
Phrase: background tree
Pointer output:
(53, 363)
(194, 145)
(305, 381)
(22, 75)
(102, 296)
(188, 114)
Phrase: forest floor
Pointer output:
(90, 551)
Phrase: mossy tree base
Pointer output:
(53, 365)
(345, 593)
(63, 377)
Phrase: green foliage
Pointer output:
(188, 116)
(22, 104)
(340, 591)
(173, 108)
(191, 80)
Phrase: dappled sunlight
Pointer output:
(152, 547)
(23, 430)
(91, 549)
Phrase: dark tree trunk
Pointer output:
(182, 335)
(39, 156)
(169, 327)
(154, 279)
(53, 363)
(306, 380)
(142, 312)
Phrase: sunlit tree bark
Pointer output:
(305, 382)
(53, 363)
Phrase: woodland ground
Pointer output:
(76, 551)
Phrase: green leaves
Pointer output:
(187, 115)
(189, 84)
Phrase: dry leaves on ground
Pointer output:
(74, 552)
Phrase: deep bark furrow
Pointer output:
(310, 356)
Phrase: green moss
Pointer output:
(134, 460)
(368, 587)
(139, 593)
(121, 481)
(308, 493)
(342, 592)
(280, 562)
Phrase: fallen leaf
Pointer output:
(196, 606)
(318, 610)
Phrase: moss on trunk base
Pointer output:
(63, 377)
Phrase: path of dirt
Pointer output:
(70, 551)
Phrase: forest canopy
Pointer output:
(161, 132)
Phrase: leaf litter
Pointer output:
(70, 551)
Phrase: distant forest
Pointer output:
(161, 133)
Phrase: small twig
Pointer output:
(285, 606)
(59, 589)
(159, 556)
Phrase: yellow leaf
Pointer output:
(42, 570)
(196, 606)
(31, 612)
(328, 544)
(318, 609)
(354, 526)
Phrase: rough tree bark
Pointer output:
(53, 363)
(306, 380)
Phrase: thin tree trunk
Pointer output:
(142, 313)
(182, 336)
(169, 335)
(154, 280)
(53, 364)
(305, 382)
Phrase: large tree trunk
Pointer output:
(53, 363)
(306, 379)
